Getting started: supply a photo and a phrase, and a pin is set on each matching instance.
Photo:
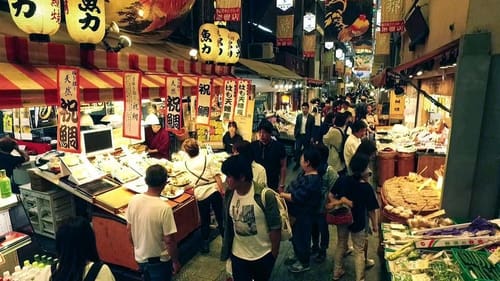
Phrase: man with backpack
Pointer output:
(335, 139)
(252, 228)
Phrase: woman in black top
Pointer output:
(356, 192)
(231, 137)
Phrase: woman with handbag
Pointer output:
(356, 198)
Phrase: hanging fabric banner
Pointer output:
(68, 117)
(392, 16)
(243, 93)
(284, 4)
(203, 101)
(348, 20)
(132, 112)
(228, 10)
(173, 103)
(309, 45)
(284, 31)
(382, 43)
(229, 100)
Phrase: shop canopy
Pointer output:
(269, 70)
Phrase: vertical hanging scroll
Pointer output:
(68, 120)
(132, 113)
(204, 101)
(243, 92)
(174, 103)
(229, 100)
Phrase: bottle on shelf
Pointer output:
(5, 187)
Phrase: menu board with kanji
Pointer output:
(397, 106)
(241, 102)
(68, 120)
(203, 101)
(173, 103)
(229, 100)
(132, 113)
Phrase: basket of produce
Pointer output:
(476, 266)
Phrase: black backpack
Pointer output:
(341, 150)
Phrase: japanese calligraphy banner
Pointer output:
(284, 31)
(392, 16)
(382, 43)
(132, 113)
(309, 45)
(173, 103)
(68, 119)
(228, 10)
(204, 100)
(348, 20)
(242, 98)
(229, 100)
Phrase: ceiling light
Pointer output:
(410, 76)
(140, 13)
(193, 52)
(420, 72)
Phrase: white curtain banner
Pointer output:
(173, 103)
(241, 104)
(203, 101)
(229, 101)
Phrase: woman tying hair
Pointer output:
(231, 137)
(77, 253)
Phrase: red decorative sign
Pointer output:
(392, 26)
(132, 113)
(68, 120)
(228, 10)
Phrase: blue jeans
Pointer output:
(257, 270)
(301, 238)
(161, 271)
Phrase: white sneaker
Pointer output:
(369, 263)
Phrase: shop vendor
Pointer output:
(157, 138)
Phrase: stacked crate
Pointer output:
(47, 210)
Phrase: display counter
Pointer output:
(110, 223)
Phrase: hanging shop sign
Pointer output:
(284, 4)
(284, 31)
(8, 126)
(392, 16)
(396, 106)
(229, 100)
(68, 117)
(38, 18)
(382, 43)
(174, 103)
(242, 98)
(309, 45)
(208, 42)
(234, 48)
(204, 100)
(228, 10)
(348, 20)
(309, 22)
(132, 112)
(85, 20)
(223, 55)
(329, 45)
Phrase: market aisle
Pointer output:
(210, 268)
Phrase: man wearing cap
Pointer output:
(270, 154)
(157, 138)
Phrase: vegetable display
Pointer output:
(478, 227)
(476, 265)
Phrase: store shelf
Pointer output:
(15, 240)
(6, 203)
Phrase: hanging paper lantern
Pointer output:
(234, 48)
(37, 18)
(223, 55)
(86, 21)
(208, 41)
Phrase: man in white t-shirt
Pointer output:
(252, 231)
(244, 148)
(354, 140)
(151, 227)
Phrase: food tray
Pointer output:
(390, 187)
(479, 261)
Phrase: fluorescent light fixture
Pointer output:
(261, 27)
